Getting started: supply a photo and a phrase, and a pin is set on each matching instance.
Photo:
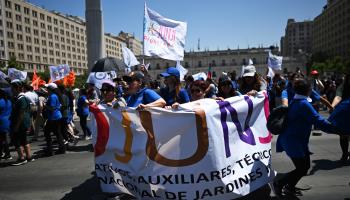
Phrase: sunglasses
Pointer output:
(103, 90)
(195, 90)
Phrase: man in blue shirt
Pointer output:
(138, 95)
(53, 124)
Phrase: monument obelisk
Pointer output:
(94, 32)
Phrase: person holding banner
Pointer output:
(138, 95)
(198, 89)
(53, 123)
(340, 116)
(294, 140)
(173, 94)
(226, 89)
(251, 83)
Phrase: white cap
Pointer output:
(109, 82)
(51, 86)
(249, 70)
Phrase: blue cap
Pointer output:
(171, 71)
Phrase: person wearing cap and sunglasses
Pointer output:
(173, 94)
(138, 95)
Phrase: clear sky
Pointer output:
(219, 24)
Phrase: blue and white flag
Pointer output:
(98, 78)
(163, 37)
(16, 74)
(183, 71)
(200, 76)
(129, 57)
(274, 62)
(59, 72)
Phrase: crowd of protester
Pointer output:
(24, 111)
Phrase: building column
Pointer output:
(94, 32)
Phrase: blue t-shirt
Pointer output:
(54, 103)
(144, 96)
(182, 97)
(83, 110)
(289, 93)
(295, 138)
(5, 113)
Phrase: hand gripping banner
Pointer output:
(205, 150)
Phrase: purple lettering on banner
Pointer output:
(246, 134)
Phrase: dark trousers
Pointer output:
(55, 127)
(84, 127)
(344, 144)
(302, 165)
(4, 144)
(64, 129)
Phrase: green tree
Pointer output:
(12, 63)
(80, 81)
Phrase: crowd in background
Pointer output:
(24, 111)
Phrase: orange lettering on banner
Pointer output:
(128, 139)
(202, 141)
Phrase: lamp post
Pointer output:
(94, 31)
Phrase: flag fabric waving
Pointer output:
(129, 57)
(163, 37)
(274, 62)
(59, 72)
(16, 74)
(183, 71)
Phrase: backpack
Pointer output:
(278, 120)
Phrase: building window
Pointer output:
(36, 41)
(37, 50)
(213, 63)
(26, 11)
(9, 34)
(34, 13)
(55, 21)
(254, 61)
(27, 29)
(19, 37)
(44, 51)
(8, 4)
(42, 25)
(17, 8)
(28, 39)
(244, 62)
(8, 14)
(223, 63)
(36, 32)
(43, 42)
(29, 48)
(27, 20)
(18, 18)
(199, 63)
(43, 34)
(42, 16)
(35, 23)
(18, 27)
(48, 18)
(9, 25)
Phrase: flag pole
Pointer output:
(143, 33)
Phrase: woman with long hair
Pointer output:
(198, 89)
(173, 94)
(251, 83)
(225, 89)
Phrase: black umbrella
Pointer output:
(108, 64)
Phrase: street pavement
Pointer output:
(71, 176)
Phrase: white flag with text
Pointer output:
(274, 62)
(163, 37)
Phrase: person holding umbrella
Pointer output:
(138, 95)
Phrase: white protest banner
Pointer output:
(270, 73)
(98, 78)
(58, 72)
(163, 37)
(16, 74)
(129, 57)
(200, 76)
(274, 62)
(183, 71)
(206, 150)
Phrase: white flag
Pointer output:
(250, 62)
(200, 76)
(275, 62)
(183, 71)
(98, 78)
(163, 37)
(129, 57)
(16, 74)
(59, 72)
(271, 73)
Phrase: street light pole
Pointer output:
(94, 31)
